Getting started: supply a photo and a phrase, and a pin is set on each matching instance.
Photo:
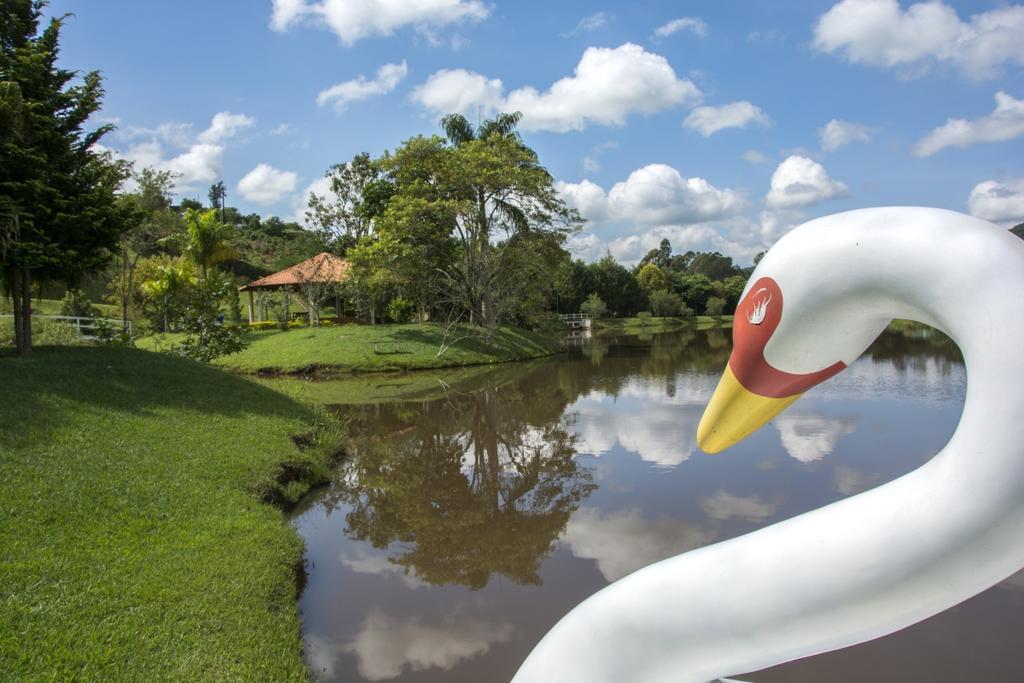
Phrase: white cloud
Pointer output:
(386, 645)
(656, 194)
(709, 120)
(880, 33)
(320, 187)
(281, 129)
(1005, 123)
(266, 184)
(695, 25)
(200, 159)
(607, 86)
(755, 157)
(623, 542)
(458, 90)
(999, 202)
(340, 95)
(838, 133)
(353, 21)
(811, 437)
(724, 505)
(586, 246)
(591, 22)
(225, 126)
(799, 181)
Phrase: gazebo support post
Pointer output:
(250, 307)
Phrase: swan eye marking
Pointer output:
(760, 308)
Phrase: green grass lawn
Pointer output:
(375, 347)
(133, 542)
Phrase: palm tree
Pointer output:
(207, 241)
(459, 131)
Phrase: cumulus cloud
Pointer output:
(586, 246)
(266, 184)
(1005, 123)
(225, 126)
(623, 542)
(838, 133)
(880, 33)
(811, 437)
(320, 187)
(198, 159)
(799, 181)
(709, 120)
(607, 86)
(656, 194)
(360, 88)
(999, 202)
(353, 21)
(458, 90)
(694, 25)
(386, 645)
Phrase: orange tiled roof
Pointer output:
(321, 268)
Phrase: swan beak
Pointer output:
(734, 413)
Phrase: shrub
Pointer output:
(594, 307)
(665, 303)
(401, 310)
(208, 336)
(644, 316)
(75, 304)
(714, 306)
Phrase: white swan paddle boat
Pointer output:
(868, 565)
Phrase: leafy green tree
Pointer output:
(165, 284)
(666, 303)
(594, 307)
(715, 306)
(695, 290)
(573, 282)
(218, 195)
(617, 287)
(208, 337)
(731, 290)
(712, 264)
(651, 278)
(55, 186)
(661, 257)
(356, 195)
(153, 220)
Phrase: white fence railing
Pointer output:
(89, 328)
(575, 320)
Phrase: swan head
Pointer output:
(799, 322)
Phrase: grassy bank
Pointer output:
(368, 348)
(133, 543)
(640, 325)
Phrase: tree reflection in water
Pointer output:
(466, 487)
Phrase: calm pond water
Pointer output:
(479, 506)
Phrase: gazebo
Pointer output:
(322, 269)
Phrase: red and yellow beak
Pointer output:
(734, 413)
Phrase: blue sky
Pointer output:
(718, 125)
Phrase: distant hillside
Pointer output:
(1018, 230)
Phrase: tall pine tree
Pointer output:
(58, 208)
